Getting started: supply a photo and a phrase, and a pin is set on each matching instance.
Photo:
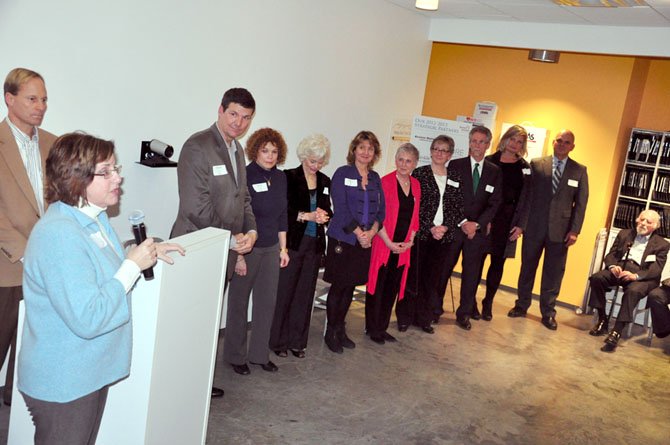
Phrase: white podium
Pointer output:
(175, 317)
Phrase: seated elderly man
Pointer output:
(659, 299)
(635, 262)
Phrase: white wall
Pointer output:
(133, 70)
(618, 40)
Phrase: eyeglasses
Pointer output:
(108, 173)
(441, 151)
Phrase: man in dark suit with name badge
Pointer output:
(635, 262)
(482, 195)
(559, 193)
(212, 179)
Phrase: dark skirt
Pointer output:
(350, 266)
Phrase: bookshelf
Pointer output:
(645, 180)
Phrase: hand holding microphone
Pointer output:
(146, 249)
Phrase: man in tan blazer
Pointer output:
(23, 152)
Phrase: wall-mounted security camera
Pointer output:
(155, 153)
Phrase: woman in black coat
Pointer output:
(308, 211)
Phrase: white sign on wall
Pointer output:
(425, 129)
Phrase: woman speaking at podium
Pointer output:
(77, 335)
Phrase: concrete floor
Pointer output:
(508, 381)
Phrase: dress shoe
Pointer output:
(216, 392)
(550, 323)
(333, 342)
(487, 316)
(516, 311)
(611, 342)
(377, 338)
(281, 353)
(428, 329)
(345, 341)
(435, 319)
(402, 327)
(464, 323)
(662, 334)
(600, 328)
(475, 314)
(300, 353)
(388, 337)
(242, 369)
(269, 366)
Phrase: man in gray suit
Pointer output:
(212, 180)
(559, 193)
(23, 151)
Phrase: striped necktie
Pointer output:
(556, 177)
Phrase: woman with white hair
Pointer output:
(308, 212)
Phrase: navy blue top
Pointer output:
(349, 203)
(267, 189)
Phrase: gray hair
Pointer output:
(315, 146)
(409, 149)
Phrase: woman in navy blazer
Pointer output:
(358, 203)
(308, 212)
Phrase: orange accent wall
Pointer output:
(600, 98)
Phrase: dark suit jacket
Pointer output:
(298, 201)
(653, 259)
(558, 214)
(208, 197)
(482, 204)
(18, 207)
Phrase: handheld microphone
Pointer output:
(139, 231)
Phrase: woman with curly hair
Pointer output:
(308, 212)
(259, 269)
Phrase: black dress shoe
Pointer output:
(464, 323)
(216, 392)
(300, 353)
(516, 312)
(403, 328)
(475, 314)
(428, 329)
(487, 316)
(550, 323)
(377, 338)
(662, 334)
(281, 353)
(269, 366)
(388, 337)
(435, 319)
(611, 342)
(333, 342)
(242, 369)
(346, 342)
(600, 328)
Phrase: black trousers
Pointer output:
(473, 251)
(425, 285)
(633, 292)
(295, 297)
(378, 307)
(660, 314)
(9, 316)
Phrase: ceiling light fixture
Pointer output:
(428, 5)
(543, 55)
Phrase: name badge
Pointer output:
(351, 182)
(573, 183)
(219, 170)
(453, 183)
(489, 189)
(260, 187)
(526, 171)
(99, 240)
(325, 191)
(650, 258)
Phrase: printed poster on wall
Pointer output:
(401, 130)
(425, 129)
(536, 138)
